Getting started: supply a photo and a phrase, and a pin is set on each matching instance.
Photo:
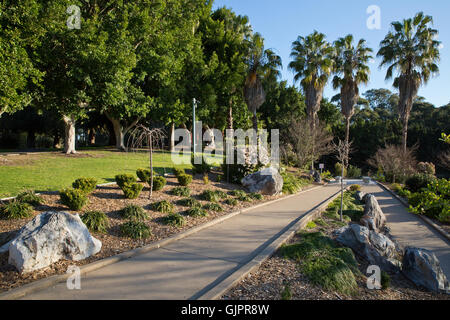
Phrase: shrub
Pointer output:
(135, 230)
(396, 187)
(311, 225)
(327, 175)
(256, 196)
(213, 207)
(338, 170)
(353, 172)
(178, 171)
(286, 293)
(394, 162)
(245, 198)
(174, 219)
(121, 179)
(158, 183)
(144, 174)
(385, 280)
(87, 185)
(132, 190)
(184, 179)
(355, 187)
(231, 202)
(426, 168)
(210, 195)
(30, 197)
(189, 202)
(75, 199)
(219, 178)
(221, 194)
(16, 210)
(202, 167)
(96, 221)
(205, 179)
(293, 183)
(163, 206)
(197, 212)
(134, 212)
(418, 181)
(181, 191)
(238, 193)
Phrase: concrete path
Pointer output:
(186, 269)
(410, 230)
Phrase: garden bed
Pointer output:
(110, 199)
(282, 278)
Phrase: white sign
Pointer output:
(321, 166)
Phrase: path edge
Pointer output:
(44, 283)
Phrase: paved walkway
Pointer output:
(410, 230)
(185, 268)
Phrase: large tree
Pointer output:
(411, 51)
(351, 69)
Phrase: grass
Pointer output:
(96, 221)
(55, 171)
(351, 207)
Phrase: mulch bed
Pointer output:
(110, 199)
(272, 277)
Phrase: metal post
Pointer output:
(194, 104)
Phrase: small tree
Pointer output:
(142, 137)
(342, 150)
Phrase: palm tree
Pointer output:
(351, 69)
(410, 49)
(313, 64)
(262, 64)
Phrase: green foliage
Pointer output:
(231, 202)
(132, 190)
(221, 194)
(197, 212)
(75, 199)
(338, 170)
(15, 210)
(163, 206)
(293, 183)
(96, 221)
(213, 207)
(121, 179)
(351, 208)
(144, 174)
(238, 193)
(311, 225)
(178, 171)
(432, 201)
(158, 183)
(30, 197)
(426, 168)
(245, 197)
(174, 219)
(184, 179)
(445, 138)
(385, 280)
(87, 185)
(355, 187)
(327, 175)
(256, 196)
(202, 168)
(418, 181)
(181, 191)
(135, 230)
(134, 212)
(210, 195)
(353, 172)
(323, 262)
(189, 202)
(205, 179)
(286, 293)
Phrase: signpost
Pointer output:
(321, 166)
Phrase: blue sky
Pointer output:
(282, 21)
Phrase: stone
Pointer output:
(373, 217)
(360, 196)
(374, 247)
(50, 237)
(267, 181)
(316, 176)
(422, 267)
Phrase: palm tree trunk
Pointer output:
(347, 137)
(405, 134)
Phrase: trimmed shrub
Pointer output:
(338, 169)
(256, 196)
(30, 197)
(144, 174)
(181, 191)
(353, 172)
(95, 221)
(231, 202)
(75, 199)
(16, 210)
(121, 179)
(163, 206)
(135, 230)
(213, 207)
(221, 194)
(197, 212)
(132, 190)
(134, 212)
(87, 185)
(418, 181)
(158, 183)
(184, 179)
(238, 193)
(210, 195)
(355, 187)
(245, 197)
(189, 202)
(178, 171)
(174, 219)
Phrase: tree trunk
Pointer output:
(347, 137)
(69, 134)
(120, 131)
(31, 139)
(405, 134)
(172, 137)
(230, 115)
(91, 135)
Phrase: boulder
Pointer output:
(267, 181)
(373, 217)
(49, 237)
(374, 247)
(316, 176)
(422, 267)
(360, 196)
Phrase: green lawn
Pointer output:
(53, 171)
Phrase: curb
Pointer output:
(22, 291)
(221, 286)
(427, 220)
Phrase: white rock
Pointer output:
(373, 217)
(267, 181)
(50, 237)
